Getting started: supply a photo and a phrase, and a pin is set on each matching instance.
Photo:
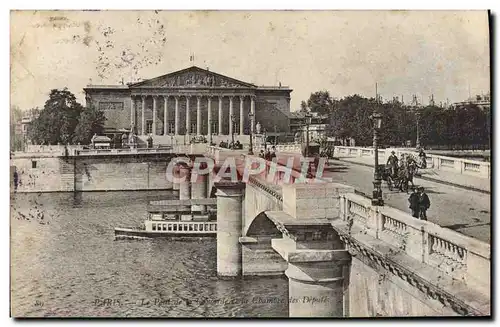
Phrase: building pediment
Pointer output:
(192, 77)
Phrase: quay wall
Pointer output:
(373, 292)
(59, 174)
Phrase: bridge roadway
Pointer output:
(467, 212)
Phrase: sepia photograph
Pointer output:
(250, 163)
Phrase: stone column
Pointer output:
(176, 173)
(143, 121)
(318, 288)
(198, 115)
(231, 113)
(153, 128)
(176, 118)
(185, 187)
(199, 190)
(229, 222)
(132, 111)
(220, 115)
(165, 115)
(252, 110)
(242, 119)
(188, 119)
(209, 103)
(317, 270)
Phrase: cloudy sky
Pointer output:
(406, 52)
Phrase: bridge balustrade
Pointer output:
(460, 256)
(456, 165)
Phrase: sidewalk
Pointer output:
(459, 180)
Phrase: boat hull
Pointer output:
(130, 233)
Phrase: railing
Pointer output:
(447, 163)
(457, 165)
(77, 150)
(292, 147)
(356, 208)
(185, 227)
(460, 256)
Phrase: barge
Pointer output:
(172, 220)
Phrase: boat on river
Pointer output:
(172, 224)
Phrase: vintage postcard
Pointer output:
(213, 164)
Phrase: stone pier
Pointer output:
(185, 186)
(199, 190)
(176, 173)
(229, 213)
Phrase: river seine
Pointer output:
(66, 263)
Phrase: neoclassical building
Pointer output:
(192, 101)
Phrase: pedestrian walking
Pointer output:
(273, 153)
(16, 180)
(267, 156)
(424, 203)
(414, 203)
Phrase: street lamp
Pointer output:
(233, 120)
(308, 122)
(377, 190)
(265, 139)
(275, 135)
(417, 113)
(250, 115)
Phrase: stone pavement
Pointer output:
(463, 210)
(436, 175)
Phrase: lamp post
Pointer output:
(308, 122)
(233, 119)
(275, 135)
(417, 113)
(265, 139)
(377, 190)
(250, 115)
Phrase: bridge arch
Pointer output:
(262, 227)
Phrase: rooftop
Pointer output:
(119, 86)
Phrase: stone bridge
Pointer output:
(343, 257)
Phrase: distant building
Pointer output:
(481, 100)
(179, 103)
(317, 128)
(25, 124)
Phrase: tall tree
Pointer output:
(58, 118)
(91, 122)
(320, 102)
(303, 106)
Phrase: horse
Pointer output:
(411, 171)
(403, 178)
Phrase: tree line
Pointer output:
(65, 121)
(466, 126)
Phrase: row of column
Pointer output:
(188, 117)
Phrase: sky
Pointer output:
(444, 53)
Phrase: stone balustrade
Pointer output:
(291, 147)
(456, 165)
(76, 150)
(457, 255)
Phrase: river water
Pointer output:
(67, 264)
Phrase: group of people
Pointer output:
(231, 145)
(419, 203)
(268, 155)
(404, 168)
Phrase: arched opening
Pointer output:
(263, 228)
